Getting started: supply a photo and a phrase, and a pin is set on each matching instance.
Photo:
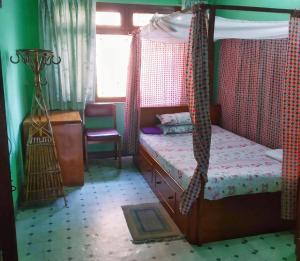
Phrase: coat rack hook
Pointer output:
(15, 61)
(58, 60)
(44, 82)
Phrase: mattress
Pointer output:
(237, 165)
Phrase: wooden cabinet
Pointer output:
(67, 130)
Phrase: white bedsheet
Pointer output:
(238, 166)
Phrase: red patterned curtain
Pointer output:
(291, 124)
(155, 78)
(251, 80)
(132, 105)
(162, 74)
(197, 88)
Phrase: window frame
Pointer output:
(126, 12)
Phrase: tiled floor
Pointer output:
(93, 227)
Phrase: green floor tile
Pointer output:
(93, 227)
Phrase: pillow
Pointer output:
(176, 129)
(182, 118)
(275, 154)
(152, 130)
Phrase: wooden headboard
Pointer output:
(148, 114)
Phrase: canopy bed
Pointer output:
(209, 219)
(200, 207)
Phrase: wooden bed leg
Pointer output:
(193, 226)
(297, 249)
(297, 232)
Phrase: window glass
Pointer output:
(141, 19)
(114, 22)
(108, 18)
(112, 62)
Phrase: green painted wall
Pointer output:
(146, 2)
(288, 4)
(18, 29)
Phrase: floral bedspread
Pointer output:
(237, 165)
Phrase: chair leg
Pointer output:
(120, 153)
(116, 150)
(86, 154)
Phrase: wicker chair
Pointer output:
(102, 135)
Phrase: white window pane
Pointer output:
(141, 19)
(108, 18)
(112, 62)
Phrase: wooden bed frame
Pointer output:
(208, 220)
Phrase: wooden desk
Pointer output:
(67, 130)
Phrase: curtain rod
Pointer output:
(244, 8)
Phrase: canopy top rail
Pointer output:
(211, 25)
(293, 12)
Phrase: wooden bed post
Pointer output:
(194, 233)
(297, 232)
(211, 50)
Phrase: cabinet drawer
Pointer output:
(165, 192)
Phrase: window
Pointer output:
(114, 23)
(141, 19)
(108, 18)
(113, 54)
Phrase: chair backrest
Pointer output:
(100, 110)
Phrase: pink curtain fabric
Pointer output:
(132, 105)
(251, 80)
(155, 78)
(197, 88)
(291, 124)
(162, 74)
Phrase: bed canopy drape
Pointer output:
(250, 93)
(291, 123)
(132, 105)
(197, 87)
(191, 80)
(290, 116)
(155, 79)
(175, 29)
(162, 74)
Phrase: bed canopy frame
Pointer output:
(212, 21)
(211, 27)
(211, 48)
(147, 164)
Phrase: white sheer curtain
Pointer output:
(174, 28)
(67, 27)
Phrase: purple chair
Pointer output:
(102, 135)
